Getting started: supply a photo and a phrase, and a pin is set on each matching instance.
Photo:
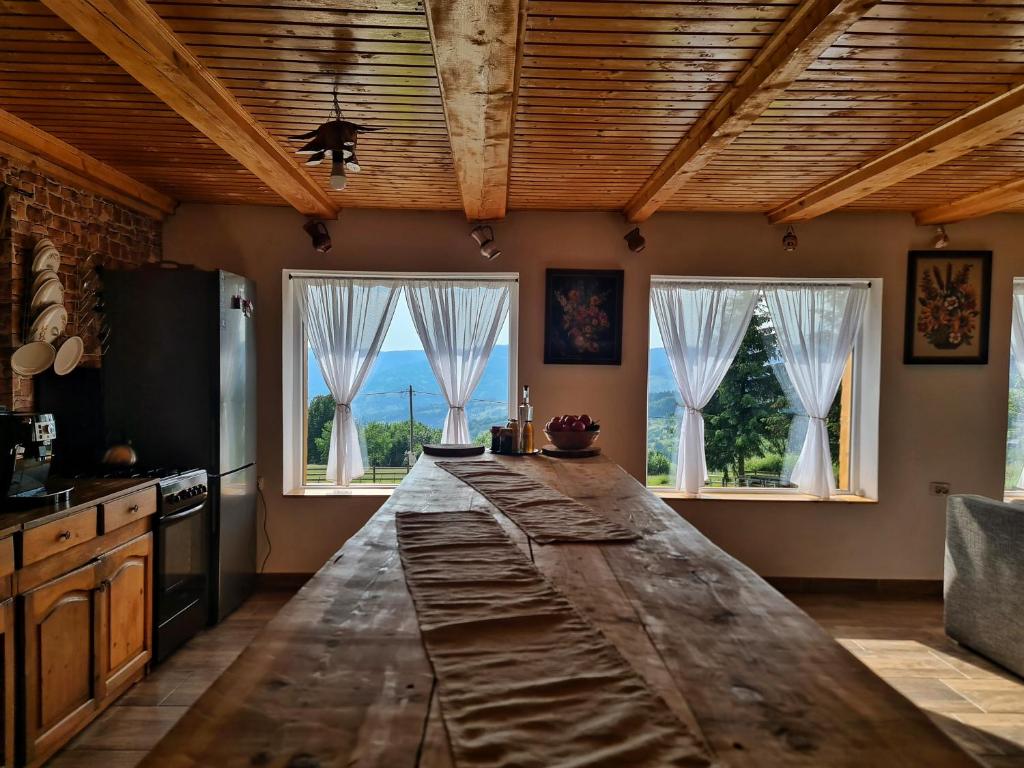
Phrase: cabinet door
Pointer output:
(59, 642)
(7, 682)
(125, 641)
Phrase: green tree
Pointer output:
(319, 414)
(387, 443)
(657, 463)
(322, 444)
(743, 417)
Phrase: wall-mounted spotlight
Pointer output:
(318, 233)
(789, 241)
(634, 240)
(941, 237)
(483, 235)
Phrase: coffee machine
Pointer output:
(26, 454)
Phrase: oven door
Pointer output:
(182, 580)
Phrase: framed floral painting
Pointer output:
(948, 295)
(583, 316)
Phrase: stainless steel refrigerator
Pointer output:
(179, 382)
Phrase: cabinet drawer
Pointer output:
(52, 538)
(128, 509)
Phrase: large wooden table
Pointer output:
(340, 678)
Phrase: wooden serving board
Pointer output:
(452, 449)
(565, 453)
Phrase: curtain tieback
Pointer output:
(699, 411)
(818, 418)
(456, 407)
(344, 406)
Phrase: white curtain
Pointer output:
(346, 321)
(458, 322)
(702, 326)
(1017, 344)
(816, 326)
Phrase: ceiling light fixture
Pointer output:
(789, 240)
(941, 237)
(336, 138)
(483, 235)
(634, 240)
(318, 233)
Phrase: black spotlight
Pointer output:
(318, 233)
(789, 241)
(634, 240)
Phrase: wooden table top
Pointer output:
(340, 677)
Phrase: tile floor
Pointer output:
(977, 703)
(980, 705)
(125, 733)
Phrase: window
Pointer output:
(399, 404)
(738, 383)
(1014, 474)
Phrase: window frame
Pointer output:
(864, 400)
(1011, 495)
(294, 374)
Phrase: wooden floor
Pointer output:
(980, 705)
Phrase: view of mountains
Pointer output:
(385, 394)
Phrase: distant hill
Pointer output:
(385, 397)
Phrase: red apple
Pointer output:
(585, 420)
(578, 426)
(555, 426)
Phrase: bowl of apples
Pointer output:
(572, 433)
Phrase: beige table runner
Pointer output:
(544, 514)
(524, 680)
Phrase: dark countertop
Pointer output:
(85, 493)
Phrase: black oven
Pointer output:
(180, 607)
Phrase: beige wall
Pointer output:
(937, 422)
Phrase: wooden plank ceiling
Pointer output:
(606, 89)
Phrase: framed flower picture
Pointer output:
(948, 307)
(583, 316)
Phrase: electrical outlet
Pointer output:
(259, 483)
(938, 489)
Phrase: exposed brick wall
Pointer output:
(80, 224)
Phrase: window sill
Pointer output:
(331, 491)
(762, 497)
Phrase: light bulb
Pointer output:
(338, 177)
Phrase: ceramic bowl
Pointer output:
(572, 441)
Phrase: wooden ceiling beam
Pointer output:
(1009, 194)
(137, 39)
(989, 122)
(798, 42)
(477, 45)
(53, 157)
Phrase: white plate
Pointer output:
(42, 242)
(35, 357)
(50, 324)
(68, 355)
(42, 277)
(46, 258)
(50, 292)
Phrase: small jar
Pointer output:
(506, 441)
(495, 439)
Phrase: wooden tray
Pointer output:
(452, 449)
(583, 453)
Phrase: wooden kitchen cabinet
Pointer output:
(59, 632)
(125, 627)
(7, 723)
